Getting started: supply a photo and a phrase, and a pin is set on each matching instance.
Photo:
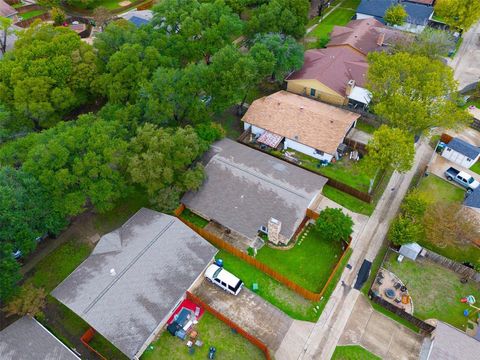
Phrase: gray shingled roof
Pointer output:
(473, 199)
(450, 343)
(417, 13)
(155, 258)
(244, 188)
(464, 148)
(26, 339)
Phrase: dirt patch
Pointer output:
(124, 3)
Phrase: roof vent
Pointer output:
(113, 272)
(296, 137)
(301, 107)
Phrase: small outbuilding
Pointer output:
(461, 152)
(135, 278)
(27, 339)
(411, 251)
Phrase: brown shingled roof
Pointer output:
(333, 67)
(309, 122)
(364, 35)
(424, 2)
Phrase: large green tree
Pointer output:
(195, 30)
(80, 164)
(395, 15)
(390, 148)
(459, 14)
(287, 52)
(9, 270)
(413, 92)
(431, 43)
(5, 31)
(334, 225)
(47, 74)
(162, 162)
(288, 17)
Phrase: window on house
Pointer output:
(468, 159)
(319, 152)
(312, 92)
(448, 149)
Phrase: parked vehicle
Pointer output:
(462, 178)
(224, 279)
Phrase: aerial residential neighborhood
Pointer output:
(240, 180)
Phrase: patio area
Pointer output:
(390, 288)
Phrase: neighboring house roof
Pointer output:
(464, 148)
(424, 2)
(6, 10)
(449, 343)
(244, 188)
(27, 339)
(473, 199)
(333, 67)
(364, 35)
(417, 13)
(309, 122)
(134, 277)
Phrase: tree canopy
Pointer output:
(459, 14)
(162, 162)
(413, 92)
(395, 15)
(288, 17)
(47, 74)
(431, 43)
(334, 225)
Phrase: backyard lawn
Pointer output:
(440, 190)
(436, 291)
(271, 290)
(31, 14)
(353, 352)
(213, 332)
(309, 263)
(348, 201)
(109, 4)
(194, 218)
(340, 16)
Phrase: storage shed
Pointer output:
(410, 251)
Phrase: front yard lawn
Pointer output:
(353, 352)
(340, 16)
(309, 263)
(271, 290)
(436, 291)
(440, 190)
(213, 332)
(476, 167)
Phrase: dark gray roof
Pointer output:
(134, 277)
(27, 339)
(244, 188)
(464, 148)
(473, 199)
(449, 343)
(417, 14)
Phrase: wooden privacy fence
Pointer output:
(222, 244)
(231, 324)
(456, 267)
(86, 338)
(422, 325)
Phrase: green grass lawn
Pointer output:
(476, 167)
(353, 352)
(363, 126)
(309, 263)
(213, 332)
(230, 123)
(51, 270)
(31, 14)
(348, 201)
(271, 290)
(194, 218)
(436, 291)
(438, 189)
(109, 4)
(340, 16)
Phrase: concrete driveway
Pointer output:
(380, 334)
(439, 164)
(467, 134)
(250, 311)
(465, 63)
(359, 220)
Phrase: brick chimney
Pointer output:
(350, 86)
(381, 39)
(274, 227)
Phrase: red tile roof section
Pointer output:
(333, 67)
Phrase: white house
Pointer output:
(461, 152)
(288, 121)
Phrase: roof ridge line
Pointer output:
(134, 260)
